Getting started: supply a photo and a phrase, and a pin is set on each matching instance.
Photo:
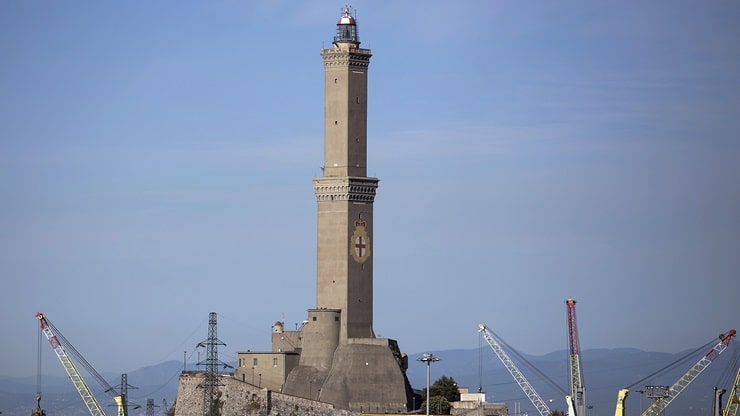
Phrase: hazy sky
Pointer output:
(156, 161)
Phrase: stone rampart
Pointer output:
(245, 399)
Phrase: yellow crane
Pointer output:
(61, 346)
(733, 402)
(673, 391)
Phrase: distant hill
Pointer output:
(605, 371)
(59, 397)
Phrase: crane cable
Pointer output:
(70, 349)
(728, 374)
(38, 373)
(529, 365)
(672, 364)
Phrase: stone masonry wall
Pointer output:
(244, 399)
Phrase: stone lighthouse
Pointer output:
(345, 195)
(335, 357)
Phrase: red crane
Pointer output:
(577, 391)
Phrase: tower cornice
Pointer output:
(345, 188)
(354, 57)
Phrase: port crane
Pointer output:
(61, 346)
(673, 391)
(531, 393)
(733, 402)
(577, 391)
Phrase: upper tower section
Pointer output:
(345, 102)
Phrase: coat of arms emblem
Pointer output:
(360, 243)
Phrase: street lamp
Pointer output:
(428, 358)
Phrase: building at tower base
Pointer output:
(360, 375)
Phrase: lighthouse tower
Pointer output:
(341, 361)
(344, 194)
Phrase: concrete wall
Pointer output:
(478, 409)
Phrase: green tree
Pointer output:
(441, 394)
(445, 387)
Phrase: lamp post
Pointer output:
(428, 358)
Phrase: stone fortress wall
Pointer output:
(245, 399)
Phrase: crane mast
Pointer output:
(733, 402)
(533, 396)
(577, 390)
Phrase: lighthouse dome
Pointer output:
(346, 19)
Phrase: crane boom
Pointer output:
(577, 391)
(621, 395)
(533, 396)
(733, 402)
(657, 407)
(90, 401)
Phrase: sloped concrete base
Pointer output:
(368, 375)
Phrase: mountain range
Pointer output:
(604, 372)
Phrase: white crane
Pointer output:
(531, 393)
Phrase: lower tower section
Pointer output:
(344, 261)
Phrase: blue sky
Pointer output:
(156, 162)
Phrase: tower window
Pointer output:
(274, 362)
(358, 100)
(254, 362)
(313, 318)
